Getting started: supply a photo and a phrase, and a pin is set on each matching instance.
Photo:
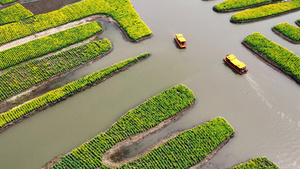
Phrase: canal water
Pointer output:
(263, 106)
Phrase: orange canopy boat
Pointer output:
(237, 65)
(180, 40)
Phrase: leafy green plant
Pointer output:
(229, 5)
(265, 11)
(121, 10)
(47, 44)
(14, 13)
(258, 162)
(64, 91)
(284, 58)
(20, 78)
(289, 31)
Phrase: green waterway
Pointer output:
(262, 106)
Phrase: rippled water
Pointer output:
(263, 106)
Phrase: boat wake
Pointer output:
(258, 89)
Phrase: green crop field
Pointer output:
(286, 59)
(66, 90)
(47, 44)
(289, 31)
(121, 10)
(14, 13)
(259, 162)
(20, 78)
(230, 5)
(265, 11)
(3, 2)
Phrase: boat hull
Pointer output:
(179, 44)
(232, 66)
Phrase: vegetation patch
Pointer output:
(20, 78)
(14, 13)
(120, 10)
(18, 113)
(288, 31)
(188, 148)
(147, 115)
(47, 44)
(4, 2)
(266, 11)
(234, 5)
(276, 55)
(258, 162)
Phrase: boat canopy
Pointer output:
(180, 38)
(235, 61)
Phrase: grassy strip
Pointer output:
(265, 11)
(290, 32)
(258, 162)
(4, 2)
(285, 59)
(14, 13)
(188, 148)
(62, 92)
(47, 44)
(142, 118)
(298, 22)
(18, 79)
(232, 5)
(121, 10)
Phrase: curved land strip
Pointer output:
(4, 2)
(120, 10)
(200, 145)
(258, 162)
(47, 44)
(29, 108)
(275, 55)
(21, 78)
(142, 118)
(288, 32)
(264, 12)
(14, 13)
(236, 5)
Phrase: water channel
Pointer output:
(263, 106)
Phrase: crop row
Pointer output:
(64, 91)
(265, 11)
(47, 44)
(3, 2)
(147, 115)
(20, 78)
(229, 5)
(121, 10)
(284, 58)
(289, 31)
(188, 148)
(14, 13)
(258, 162)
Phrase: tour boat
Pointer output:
(237, 65)
(180, 40)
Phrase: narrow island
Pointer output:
(288, 32)
(31, 107)
(258, 162)
(275, 55)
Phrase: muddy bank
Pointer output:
(285, 37)
(51, 163)
(264, 18)
(271, 63)
(106, 157)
